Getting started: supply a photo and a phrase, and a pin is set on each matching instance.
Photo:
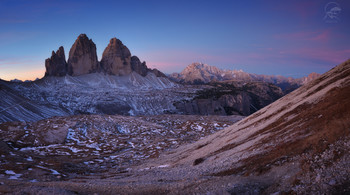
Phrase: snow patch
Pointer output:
(54, 172)
(94, 146)
(13, 176)
(163, 166)
(10, 172)
(199, 128)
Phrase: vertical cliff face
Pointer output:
(82, 57)
(56, 65)
(138, 67)
(116, 58)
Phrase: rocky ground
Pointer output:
(65, 148)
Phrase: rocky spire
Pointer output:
(138, 67)
(56, 65)
(116, 58)
(82, 57)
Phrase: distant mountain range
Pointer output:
(199, 73)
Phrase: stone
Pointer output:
(83, 57)
(56, 65)
(116, 58)
(157, 72)
(137, 66)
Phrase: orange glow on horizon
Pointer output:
(23, 75)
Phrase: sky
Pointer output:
(289, 37)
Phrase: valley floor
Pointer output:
(292, 177)
(93, 146)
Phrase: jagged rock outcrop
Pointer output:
(138, 67)
(231, 99)
(237, 104)
(56, 65)
(82, 57)
(116, 58)
(201, 107)
(228, 104)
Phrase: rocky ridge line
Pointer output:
(116, 60)
(199, 73)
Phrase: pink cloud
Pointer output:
(321, 37)
(305, 56)
(325, 54)
(318, 36)
(165, 66)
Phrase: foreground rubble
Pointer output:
(63, 148)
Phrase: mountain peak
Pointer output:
(201, 67)
(82, 57)
(114, 40)
(56, 65)
(198, 65)
(312, 76)
(82, 35)
(116, 60)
